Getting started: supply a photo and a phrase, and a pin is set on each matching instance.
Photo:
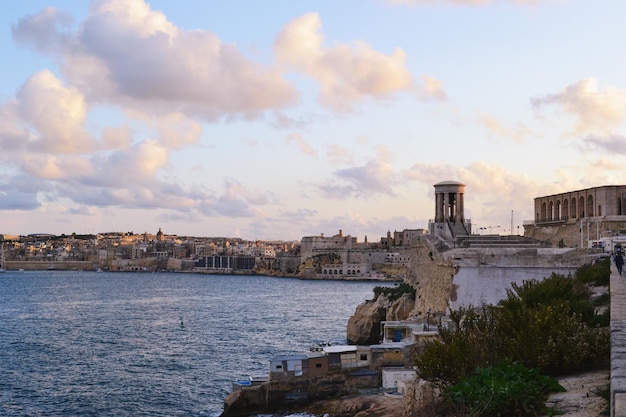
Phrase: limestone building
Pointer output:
(579, 218)
(608, 200)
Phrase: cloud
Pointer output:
(14, 199)
(594, 110)
(491, 190)
(44, 30)
(126, 53)
(375, 177)
(613, 144)
(173, 130)
(495, 129)
(347, 73)
(56, 113)
(304, 147)
(81, 211)
(432, 88)
(338, 154)
(467, 2)
(236, 201)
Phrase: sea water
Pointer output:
(154, 344)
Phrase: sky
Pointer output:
(275, 120)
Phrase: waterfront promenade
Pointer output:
(618, 343)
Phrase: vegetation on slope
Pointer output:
(549, 327)
(394, 293)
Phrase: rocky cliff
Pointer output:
(430, 273)
(364, 326)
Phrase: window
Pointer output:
(363, 357)
(318, 365)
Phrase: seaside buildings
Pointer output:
(589, 218)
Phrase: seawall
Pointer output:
(53, 265)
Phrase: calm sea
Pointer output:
(112, 344)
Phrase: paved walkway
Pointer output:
(618, 343)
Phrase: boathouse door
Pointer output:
(397, 335)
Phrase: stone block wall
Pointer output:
(431, 274)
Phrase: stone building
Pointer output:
(608, 200)
(577, 218)
(314, 245)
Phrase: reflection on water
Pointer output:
(81, 343)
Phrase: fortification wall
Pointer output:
(52, 265)
(474, 276)
(568, 233)
(431, 274)
(488, 285)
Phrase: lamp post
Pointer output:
(492, 227)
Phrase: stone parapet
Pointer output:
(618, 344)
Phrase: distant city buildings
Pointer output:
(332, 257)
(590, 217)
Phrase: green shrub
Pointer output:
(508, 389)
(549, 325)
(597, 274)
(394, 293)
(571, 294)
(552, 339)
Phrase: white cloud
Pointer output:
(497, 130)
(347, 73)
(56, 113)
(173, 130)
(44, 31)
(375, 177)
(432, 88)
(491, 190)
(613, 144)
(236, 201)
(595, 111)
(338, 154)
(304, 147)
(126, 53)
(468, 2)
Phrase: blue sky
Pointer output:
(283, 119)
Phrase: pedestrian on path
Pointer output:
(619, 262)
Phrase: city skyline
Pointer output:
(275, 121)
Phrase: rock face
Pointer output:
(364, 326)
(419, 398)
